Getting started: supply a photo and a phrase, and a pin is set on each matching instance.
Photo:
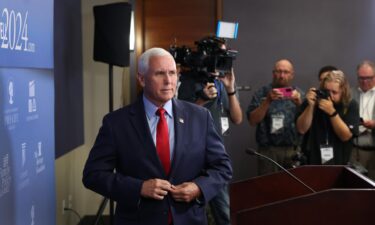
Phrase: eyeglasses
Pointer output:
(366, 78)
(287, 72)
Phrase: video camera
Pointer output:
(211, 56)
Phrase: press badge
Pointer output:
(277, 123)
(326, 152)
(224, 124)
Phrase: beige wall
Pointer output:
(69, 167)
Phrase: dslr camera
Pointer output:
(322, 94)
(210, 56)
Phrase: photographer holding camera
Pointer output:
(203, 85)
(218, 94)
(329, 120)
(272, 110)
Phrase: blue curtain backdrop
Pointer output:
(27, 187)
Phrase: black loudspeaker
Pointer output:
(112, 29)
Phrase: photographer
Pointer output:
(216, 92)
(329, 119)
(273, 114)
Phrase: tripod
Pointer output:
(105, 200)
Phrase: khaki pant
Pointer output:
(366, 158)
(282, 155)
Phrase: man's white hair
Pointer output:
(144, 59)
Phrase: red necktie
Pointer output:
(162, 141)
(162, 146)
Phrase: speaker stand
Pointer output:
(105, 200)
(110, 73)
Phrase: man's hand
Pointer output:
(311, 97)
(155, 188)
(274, 94)
(369, 124)
(228, 80)
(185, 192)
(327, 106)
(296, 97)
(210, 90)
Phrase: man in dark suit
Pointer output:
(158, 180)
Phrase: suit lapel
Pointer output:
(180, 120)
(138, 120)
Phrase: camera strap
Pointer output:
(326, 130)
(224, 120)
(326, 149)
(218, 86)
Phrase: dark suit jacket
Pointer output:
(124, 143)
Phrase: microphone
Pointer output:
(251, 151)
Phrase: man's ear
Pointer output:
(141, 79)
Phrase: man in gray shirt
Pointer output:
(364, 145)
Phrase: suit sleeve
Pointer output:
(218, 169)
(99, 175)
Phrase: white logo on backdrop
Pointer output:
(24, 179)
(23, 151)
(11, 115)
(40, 166)
(5, 177)
(32, 88)
(11, 92)
(32, 215)
(40, 149)
(32, 97)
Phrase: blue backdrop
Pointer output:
(27, 183)
(26, 33)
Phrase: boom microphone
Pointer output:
(251, 151)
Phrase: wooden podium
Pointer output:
(342, 196)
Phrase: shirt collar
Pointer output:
(150, 108)
(371, 90)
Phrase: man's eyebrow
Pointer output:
(165, 71)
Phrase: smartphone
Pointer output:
(286, 91)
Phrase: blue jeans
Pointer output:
(219, 206)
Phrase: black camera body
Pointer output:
(322, 94)
(209, 57)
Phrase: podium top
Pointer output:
(261, 190)
(278, 198)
